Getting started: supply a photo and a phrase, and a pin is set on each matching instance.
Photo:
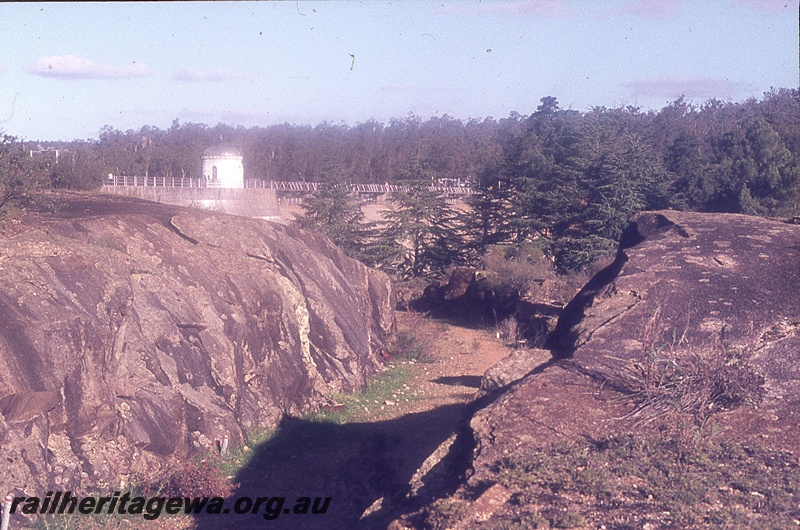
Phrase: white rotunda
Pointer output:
(222, 167)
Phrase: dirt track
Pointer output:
(375, 456)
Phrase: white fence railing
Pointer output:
(161, 182)
(290, 186)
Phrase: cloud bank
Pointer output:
(72, 67)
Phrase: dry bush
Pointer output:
(695, 384)
(508, 330)
(204, 477)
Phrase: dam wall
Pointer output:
(259, 203)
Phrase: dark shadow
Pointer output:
(353, 464)
(472, 381)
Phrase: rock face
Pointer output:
(707, 290)
(134, 333)
(693, 284)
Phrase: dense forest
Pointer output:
(567, 179)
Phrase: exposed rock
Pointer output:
(693, 283)
(719, 289)
(484, 507)
(460, 280)
(537, 319)
(133, 333)
(513, 368)
(438, 294)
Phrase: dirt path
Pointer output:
(452, 361)
(375, 453)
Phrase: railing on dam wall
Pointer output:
(161, 182)
(171, 182)
(285, 186)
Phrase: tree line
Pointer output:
(567, 179)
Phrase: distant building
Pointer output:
(50, 154)
(222, 167)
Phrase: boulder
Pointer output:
(715, 288)
(517, 365)
(712, 296)
(134, 334)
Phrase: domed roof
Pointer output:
(222, 151)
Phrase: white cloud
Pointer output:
(690, 87)
(72, 67)
(208, 75)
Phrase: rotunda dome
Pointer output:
(222, 151)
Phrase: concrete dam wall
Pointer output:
(247, 202)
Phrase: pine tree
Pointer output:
(334, 211)
(489, 219)
(420, 230)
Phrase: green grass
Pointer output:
(359, 406)
(238, 458)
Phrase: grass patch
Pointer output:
(628, 478)
(240, 457)
(356, 407)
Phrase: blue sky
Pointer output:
(67, 70)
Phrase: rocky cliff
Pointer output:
(132, 333)
(698, 318)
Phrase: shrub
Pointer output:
(514, 271)
(696, 384)
(508, 330)
(200, 477)
(415, 343)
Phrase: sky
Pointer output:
(69, 69)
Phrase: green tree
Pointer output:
(79, 168)
(334, 211)
(22, 178)
(420, 230)
(489, 219)
(755, 173)
(691, 187)
(771, 174)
